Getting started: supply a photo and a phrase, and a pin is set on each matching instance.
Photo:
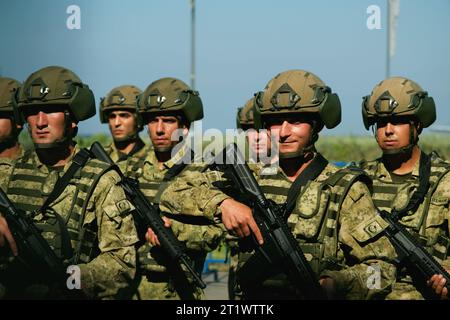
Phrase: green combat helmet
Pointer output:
(57, 86)
(121, 98)
(8, 88)
(244, 116)
(298, 92)
(168, 96)
(399, 97)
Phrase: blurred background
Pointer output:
(228, 50)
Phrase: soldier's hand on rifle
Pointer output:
(6, 233)
(238, 218)
(151, 236)
(437, 283)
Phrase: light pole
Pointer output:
(193, 44)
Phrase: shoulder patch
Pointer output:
(366, 230)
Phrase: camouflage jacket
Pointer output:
(97, 215)
(199, 237)
(6, 165)
(129, 163)
(430, 222)
(330, 221)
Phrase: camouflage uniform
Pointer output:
(124, 98)
(398, 97)
(333, 220)
(97, 215)
(90, 223)
(169, 96)
(129, 163)
(156, 282)
(429, 223)
(6, 166)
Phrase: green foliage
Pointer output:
(356, 148)
(334, 148)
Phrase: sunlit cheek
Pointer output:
(380, 134)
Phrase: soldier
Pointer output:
(399, 109)
(10, 121)
(260, 150)
(258, 142)
(118, 109)
(10, 126)
(80, 208)
(332, 215)
(168, 105)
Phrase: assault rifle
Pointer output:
(421, 265)
(280, 250)
(34, 251)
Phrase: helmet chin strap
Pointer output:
(62, 143)
(406, 149)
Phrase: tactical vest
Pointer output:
(132, 163)
(313, 221)
(427, 224)
(29, 187)
(152, 184)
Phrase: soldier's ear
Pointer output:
(185, 130)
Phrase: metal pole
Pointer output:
(193, 44)
(388, 46)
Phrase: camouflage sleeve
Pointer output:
(110, 272)
(438, 218)
(369, 256)
(199, 237)
(194, 193)
(5, 172)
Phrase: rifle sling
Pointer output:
(78, 162)
(311, 172)
(420, 193)
(174, 171)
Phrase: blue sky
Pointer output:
(240, 46)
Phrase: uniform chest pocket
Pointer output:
(308, 215)
(435, 219)
(436, 211)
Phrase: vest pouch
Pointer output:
(309, 211)
(54, 231)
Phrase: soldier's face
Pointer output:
(259, 142)
(122, 124)
(160, 130)
(46, 123)
(292, 133)
(5, 128)
(393, 133)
